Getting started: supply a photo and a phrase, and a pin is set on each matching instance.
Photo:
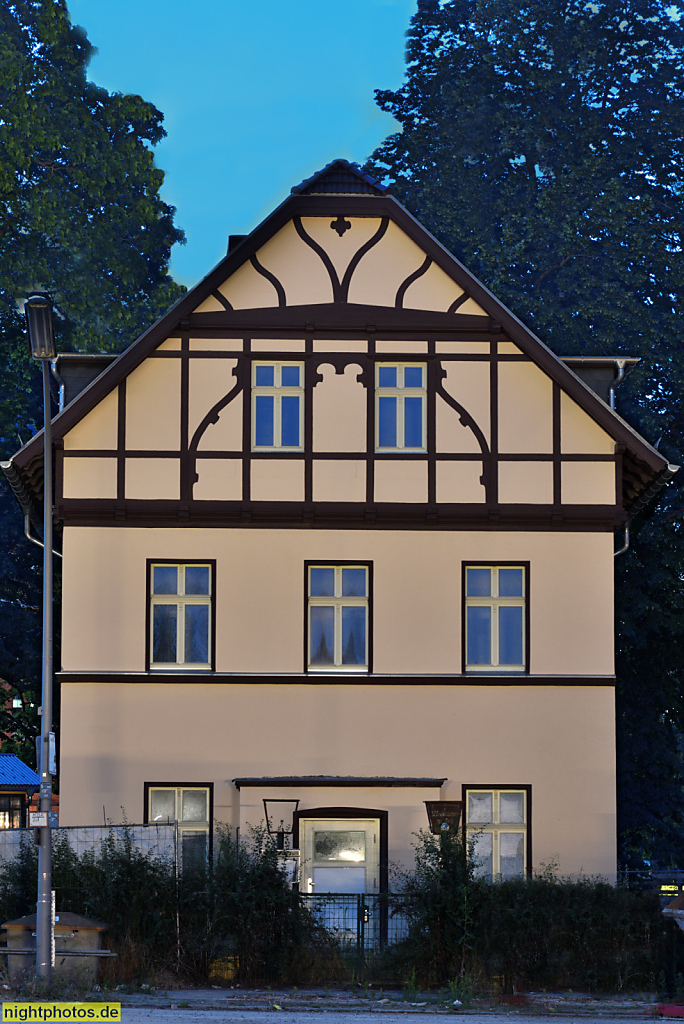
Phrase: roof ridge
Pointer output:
(340, 177)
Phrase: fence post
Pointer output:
(361, 931)
(175, 868)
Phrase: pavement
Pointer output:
(323, 1006)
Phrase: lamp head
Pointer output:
(38, 311)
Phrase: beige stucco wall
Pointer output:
(559, 740)
(299, 269)
(339, 412)
(384, 268)
(400, 480)
(98, 429)
(339, 480)
(468, 384)
(525, 409)
(153, 405)
(460, 482)
(526, 483)
(433, 290)
(579, 433)
(416, 595)
(210, 380)
(247, 289)
(588, 483)
(89, 478)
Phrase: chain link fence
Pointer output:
(154, 840)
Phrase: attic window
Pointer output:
(400, 403)
(277, 406)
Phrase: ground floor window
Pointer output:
(497, 826)
(189, 806)
(12, 810)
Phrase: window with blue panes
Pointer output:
(180, 615)
(277, 406)
(338, 617)
(495, 617)
(400, 406)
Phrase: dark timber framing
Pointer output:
(339, 320)
(200, 678)
(488, 514)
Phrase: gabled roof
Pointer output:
(13, 772)
(359, 195)
(340, 178)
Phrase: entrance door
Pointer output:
(340, 855)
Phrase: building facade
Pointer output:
(338, 539)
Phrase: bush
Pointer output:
(541, 932)
(176, 928)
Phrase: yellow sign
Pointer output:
(61, 1011)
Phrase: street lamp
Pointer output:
(38, 310)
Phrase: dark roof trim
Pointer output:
(340, 177)
(26, 503)
(647, 496)
(380, 781)
(350, 205)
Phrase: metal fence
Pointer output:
(365, 922)
(154, 840)
(362, 923)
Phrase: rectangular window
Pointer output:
(12, 810)
(497, 826)
(400, 407)
(337, 614)
(277, 406)
(495, 617)
(190, 807)
(181, 625)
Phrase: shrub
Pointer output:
(541, 932)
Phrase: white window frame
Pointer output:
(495, 828)
(495, 602)
(181, 600)
(338, 603)
(184, 827)
(400, 393)
(277, 392)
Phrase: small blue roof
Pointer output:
(13, 772)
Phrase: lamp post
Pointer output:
(38, 310)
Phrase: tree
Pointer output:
(543, 144)
(80, 217)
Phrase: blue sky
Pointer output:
(256, 96)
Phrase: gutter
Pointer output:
(25, 503)
(645, 499)
(20, 493)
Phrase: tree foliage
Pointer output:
(82, 218)
(543, 144)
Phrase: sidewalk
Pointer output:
(263, 1006)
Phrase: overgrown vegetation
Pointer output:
(520, 934)
(241, 923)
(241, 917)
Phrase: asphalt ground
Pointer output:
(293, 1006)
(195, 1015)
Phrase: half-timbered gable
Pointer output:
(341, 527)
